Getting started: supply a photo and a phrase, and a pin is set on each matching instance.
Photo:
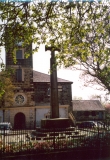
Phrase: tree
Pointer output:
(107, 111)
(6, 98)
(96, 97)
(6, 90)
(77, 98)
(92, 48)
(80, 30)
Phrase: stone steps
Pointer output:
(48, 134)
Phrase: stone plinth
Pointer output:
(55, 123)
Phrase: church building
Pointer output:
(32, 93)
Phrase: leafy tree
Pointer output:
(91, 50)
(6, 90)
(80, 30)
(107, 111)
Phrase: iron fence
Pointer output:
(50, 140)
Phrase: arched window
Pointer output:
(20, 54)
(19, 75)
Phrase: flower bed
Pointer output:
(55, 144)
(33, 146)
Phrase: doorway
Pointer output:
(19, 121)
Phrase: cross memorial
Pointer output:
(54, 112)
(54, 121)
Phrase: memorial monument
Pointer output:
(54, 121)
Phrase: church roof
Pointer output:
(42, 77)
(87, 105)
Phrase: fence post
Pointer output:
(98, 131)
(54, 139)
(4, 139)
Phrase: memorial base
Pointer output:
(54, 127)
(55, 123)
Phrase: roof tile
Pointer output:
(87, 105)
(42, 77)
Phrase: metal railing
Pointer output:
(28, 141)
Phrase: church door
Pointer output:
(19, 121)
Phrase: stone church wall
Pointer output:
(42, 97)
(29, 114)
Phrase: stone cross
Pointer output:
(54, 111)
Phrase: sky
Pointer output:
(41, 63)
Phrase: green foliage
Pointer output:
(107, 116)
(80, 30)
(6, 89)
